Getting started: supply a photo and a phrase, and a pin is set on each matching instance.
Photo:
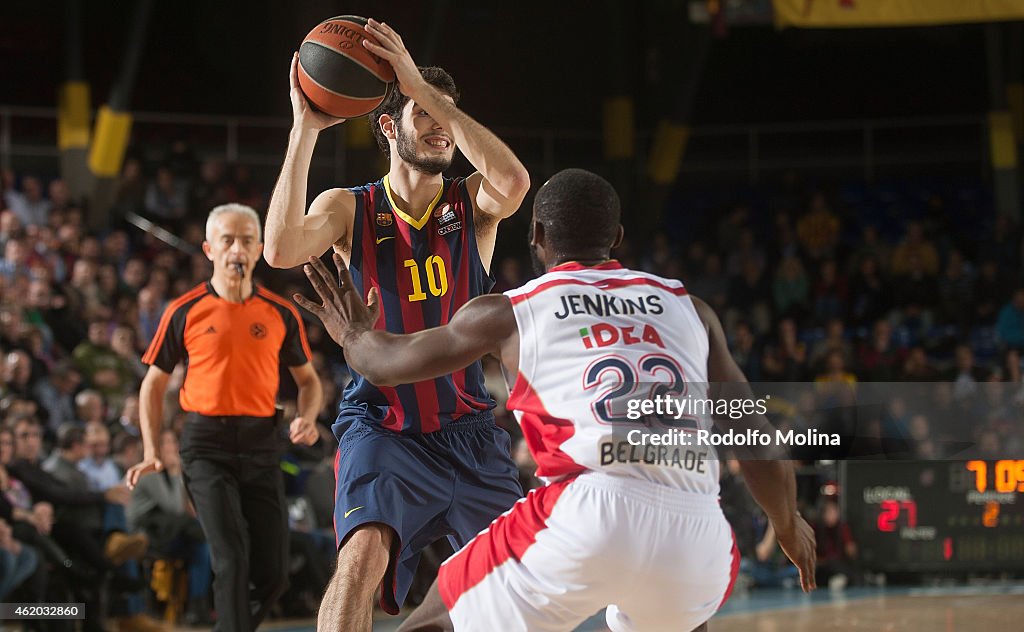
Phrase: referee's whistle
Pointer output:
(239, 268)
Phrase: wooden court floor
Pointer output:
(998, 608)
(910, 613)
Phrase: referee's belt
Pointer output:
(227, 419)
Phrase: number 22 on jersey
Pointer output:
(437, 278)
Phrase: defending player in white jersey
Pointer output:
(643, 536)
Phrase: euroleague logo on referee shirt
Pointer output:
(446, 219)
(258, 330)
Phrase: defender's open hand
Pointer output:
(342, 310)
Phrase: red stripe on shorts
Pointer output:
(734, 570)
(337, 464)
(508, 537)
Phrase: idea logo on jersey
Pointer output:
(604, 335)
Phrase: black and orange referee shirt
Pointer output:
(232, 351)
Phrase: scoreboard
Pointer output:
(934, 516)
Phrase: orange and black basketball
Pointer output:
(338, 74)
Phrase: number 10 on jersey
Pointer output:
(437, 278)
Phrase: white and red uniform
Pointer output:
(637, 529)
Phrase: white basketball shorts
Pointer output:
(657, 557)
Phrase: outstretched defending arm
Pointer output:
(483, 326)
(771, 481)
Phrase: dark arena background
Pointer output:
(839, 179)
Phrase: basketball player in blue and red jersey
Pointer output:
(422, 460)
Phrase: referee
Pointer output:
(232, 335)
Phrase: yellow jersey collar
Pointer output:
(408, 219)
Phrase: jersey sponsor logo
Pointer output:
(385, 219)
(258, 330)
(604, 335)
(447, 221)
(615, 452)
(210, 330)
(605, 304)
(380, 239)
(450, 228)
(444, 213)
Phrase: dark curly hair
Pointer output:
(395, 101)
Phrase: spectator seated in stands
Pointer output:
(98, 518)
(30, 522)
(878, 357)
(100, 365)
(746, 351)
(837, 551)
(17, 561)
(791, 288)
(956, 293)
(100, 470)
(80, 512)
(915, 251)
(56, 392)
(818, 229)
(127, 450)
(160, 507)
(167, 197)
(834, 340)
(128, 422)
(835, 386)
(14, 267)
(768, 566)
(1010, 324)
(917, 367)
(29, 204)
(965, 376)
(830, 298)
(785, 359)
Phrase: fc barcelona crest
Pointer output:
(384, 219)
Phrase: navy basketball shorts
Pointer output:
(452, 482)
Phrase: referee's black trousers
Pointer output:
(232, 472)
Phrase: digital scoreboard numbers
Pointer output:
(930, 516)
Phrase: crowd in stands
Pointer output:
(812, 286)
(78, 306)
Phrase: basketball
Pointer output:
(338, 74)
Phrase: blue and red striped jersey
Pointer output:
(424, 270)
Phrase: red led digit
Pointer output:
(890, 510)
(911, 507)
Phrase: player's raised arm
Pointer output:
(501, 181)
(770, 478)
(484, 325)
(292, 235)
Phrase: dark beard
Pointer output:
(407, 152)
(538, 265)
